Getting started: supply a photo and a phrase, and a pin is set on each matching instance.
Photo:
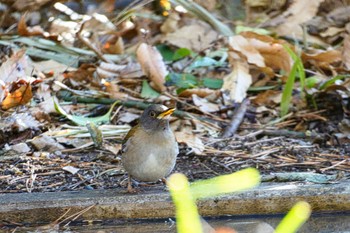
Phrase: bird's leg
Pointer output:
(165, 184)
(130, 189)
(164, 181)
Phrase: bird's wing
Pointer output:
(127, 137)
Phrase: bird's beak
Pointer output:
(166, 113)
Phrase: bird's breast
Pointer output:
(149, 157)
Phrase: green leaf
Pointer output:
(311, 82)
(213, 83)
(263, 88)
(203, 62)
(300, 66)
(166, 52)
(147, 91)
(81, 120)
(332, 81)
(288, 89)
(181, 53)
(181, 80)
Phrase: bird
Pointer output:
(150, 149)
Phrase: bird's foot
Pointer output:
(130, 189)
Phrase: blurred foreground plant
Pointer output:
(185, 195)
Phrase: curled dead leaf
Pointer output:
(268, 98)
(323, 59)
(153, 66)
(24, 30)
(238, 81)
(262, 51)
(20, 93)
(240, 44)
(191, 140)
(201, 92)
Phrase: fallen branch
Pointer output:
(237, 119)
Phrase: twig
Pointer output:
(193, 106)
(333, 166)
(88, 44)
(237, 119)
(249, 144)
(292, 134)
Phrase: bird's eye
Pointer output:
(152, 114)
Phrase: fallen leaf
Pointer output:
(238, 81)
(322, 59)
(147, 91)
(152, 64)
(195, 37)
(52, 66)
(268, 98)
(204, 105)
(24, 30)
(262, 51)
(21, 148)
(46, 143)
(19, 121)
(71, 169)
(114, 148)
(190, 139)
(201, 92)
(20, 93)
(114, 46)
(298, 13)
(13, 69)
(346, 52)
(240, 44)
(128, 117)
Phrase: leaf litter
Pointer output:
(228, 90)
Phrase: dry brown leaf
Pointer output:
(204, 105)
(346, 52)
(275, 56)
(323, 59)
(20, 93)
(298, 13)
(24, 30)
(238, 81)
(192, 140)
(268, 98)
(114, 91)
(196, 36)
(241, 44)
(114, 46)
(201, 92)
(13, 69)
(153, 66)
(262, 51)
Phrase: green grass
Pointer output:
(297, 70)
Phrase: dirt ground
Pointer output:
(100, 169)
